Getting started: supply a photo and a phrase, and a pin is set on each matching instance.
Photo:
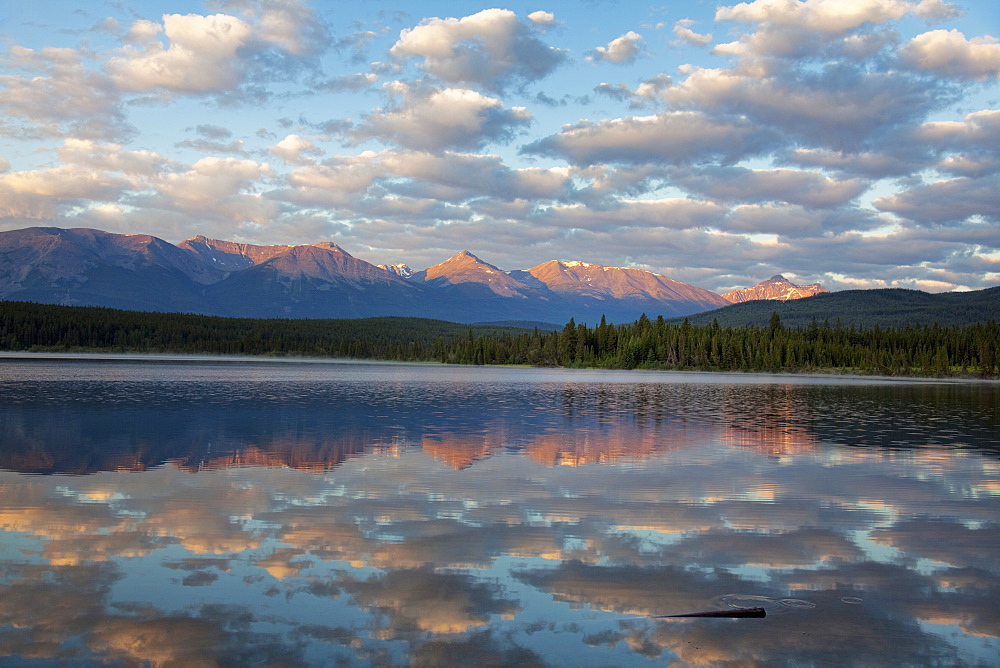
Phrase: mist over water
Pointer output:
(308, 514)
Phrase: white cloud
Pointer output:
(620, 51)
(438, 119)
(210, 180)
(348, 174)
(215, 54)
(64, 182)
(91, 172)
(101, 157)
(491, 48)
(46, 194)
(542, 18)
(949, 53)
(296, 150)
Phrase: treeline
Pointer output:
(970, 350)
(924, 351)
(30, 326)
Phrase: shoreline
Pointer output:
(97, 356)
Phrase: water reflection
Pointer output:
(256, 514)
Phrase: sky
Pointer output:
(855, 143)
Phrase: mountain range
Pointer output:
(140, 272)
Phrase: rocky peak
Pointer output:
(230, 255)
(401, 270)
(466, 269)
(326, 262)
(776, 288)
(603, 282)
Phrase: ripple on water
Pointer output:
(770, 605)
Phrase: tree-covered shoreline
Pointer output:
(928, 350)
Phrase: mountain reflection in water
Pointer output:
(308, 514)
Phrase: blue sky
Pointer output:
(851, 142)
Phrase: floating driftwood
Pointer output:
(736, 612)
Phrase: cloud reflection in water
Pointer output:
(408, 515)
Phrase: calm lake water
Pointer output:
(248, 513)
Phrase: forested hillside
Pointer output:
(30, 326)
(927, 350)
(864, 309)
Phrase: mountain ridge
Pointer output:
(89, 267)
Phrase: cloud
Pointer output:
(210, 131)
(676, 214)
(742, 185)
(492, 49)
(213, 191)
(839, 107)
(949, 53)
(619, 51)
(47, 193)
(296, 150)
(104, 157)
(542, 18)
(832, 16)
(947, 202)
(60, 97)
(675, 137)
(683, 31)
(290, 25)
(861, 163)
(201, 56)
(210, 140)
(433, 120)
(807, 29)
(446, 176)
(356, 44)
(796, 223)
(348, 82)
(219, 53)
(617, 92)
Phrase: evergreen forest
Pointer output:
(969, 350)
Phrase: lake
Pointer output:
(249, 512)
